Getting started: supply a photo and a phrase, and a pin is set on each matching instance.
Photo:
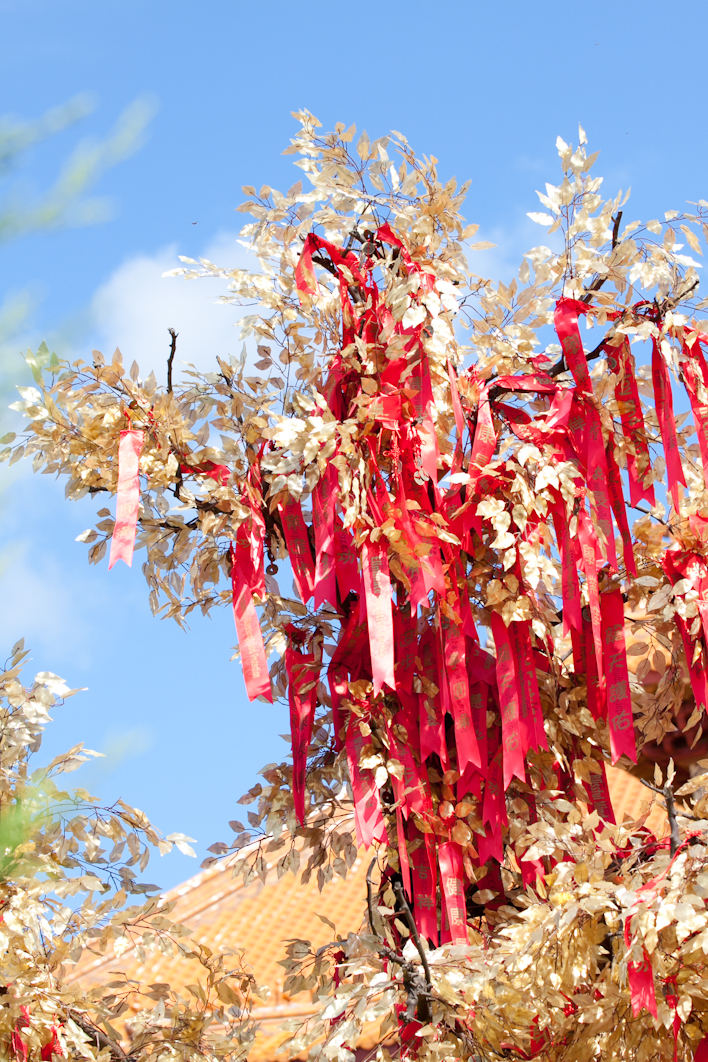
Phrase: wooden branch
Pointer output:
(560, 366)
(331, 268)
(325, 263)
(418, 992)
(401, 897)
(370, 896)
(171, 358)
(668, 794)
(667, 304)
(96, 1034)
(599, 281)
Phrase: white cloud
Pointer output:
(136, 306)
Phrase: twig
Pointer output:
(353, 289)
(668, 794)
(647, 513)
(418, 991)
(668, 304)
(97, 1035)
(173, 348)
(561, 366)
(599, 281)
(326, 264)
(370, 896)
(401, 897)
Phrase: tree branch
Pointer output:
(401, 897)
(370, 896)
(326, 264)
(418, 991)
(560, 366)
(353, 289)
(171, 358)
(599, 281)
(668, 794)
(667, 304)
(96, 1034)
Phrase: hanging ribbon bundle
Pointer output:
(463, 728)
(454, 529)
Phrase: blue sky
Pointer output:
(484, 87)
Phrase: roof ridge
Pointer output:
(182, 891)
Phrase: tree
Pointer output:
(445, 485)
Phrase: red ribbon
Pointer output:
(219, 473)
(423, 881)
(250, 637)
(640, 976)
(452, 880)
(128, 499)
(455, 674)
(566, 322)
(17, 1044)
(621, 362)
(485, 439)
(479, 694)
(368, 819)
(675, 564)
(700, 412)
(533, 733)
(346, 566)
(509, 703)
(324, 501)
(459, 417)
(663, 398)
(52, 1047)
(598, 791)
(701, 1052)
(305, 279)
(377, 588)
(432, 718)
(619, 702)
(405, 625)
(301, 669)
(614, 483)
(299, 550)
(572, 611)
(588, 550)
(493, 813)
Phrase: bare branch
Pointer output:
(599, 281)
(668, 794)
(97, 1035)
(171, 358)
(401, 897)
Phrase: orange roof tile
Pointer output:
(260, 917)
(221, 912)
(630, 800)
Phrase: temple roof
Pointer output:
(261, 916)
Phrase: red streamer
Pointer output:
(128, 498)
